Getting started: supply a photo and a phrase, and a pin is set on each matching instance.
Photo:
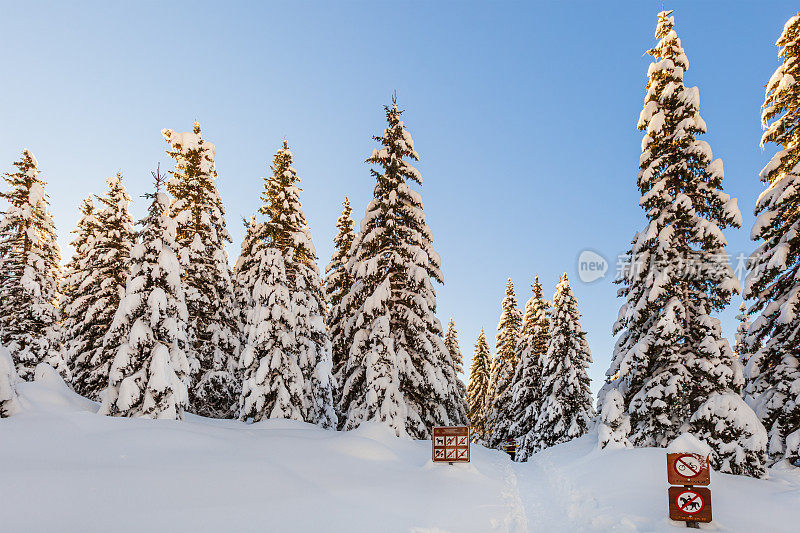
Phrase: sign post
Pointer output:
(689, 503)
(450, 444)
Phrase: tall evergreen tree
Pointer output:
(337, 284)
(774, 280)
(80, 281)
(245, 271)
(29, 273)
(478, 389)
(286, 230)
(671, 357)
(566, 408)
(457, 400)
(526, 396)
(99, 275)
(149, 374)
(503, 368)
(201, 237)
(395, 369)
(273, 380)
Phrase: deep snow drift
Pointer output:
(65, 468)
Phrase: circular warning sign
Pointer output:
(689, 502)
(688, 466)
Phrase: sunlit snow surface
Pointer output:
(64, 468)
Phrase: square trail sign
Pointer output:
(690, 504)
(450, 444)
(687, 469)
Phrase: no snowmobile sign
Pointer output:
(687, 469)
(692, 504)
(451, 444)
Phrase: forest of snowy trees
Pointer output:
(150, 319)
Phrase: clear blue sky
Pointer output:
(524, 115)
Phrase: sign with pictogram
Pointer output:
(691, 504)
(687, 469)
(451, 444)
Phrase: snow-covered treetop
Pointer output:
(780, 106)
(397, 143)
(286, 227)
(192, 143)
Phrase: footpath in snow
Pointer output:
(65, 468)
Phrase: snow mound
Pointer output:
(688, 443)
(49, 393)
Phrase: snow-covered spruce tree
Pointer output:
(526, 392)
(78, 285)
(91, 315)
(773, 368)
(337, 284)
(274, 386)
(478, 389)
(29, 273)
(213, 315)
(670, 357)
(394, 373)
(286, 230)
(457, 400)
(566, 408)
(150, 372)
(9, 401)
(245, 271)
(504, 366)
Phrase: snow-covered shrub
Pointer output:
(614, 424)
(737, 438)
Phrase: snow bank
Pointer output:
(67, 469)
(688, 443)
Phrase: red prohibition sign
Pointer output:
(692, 502)
(689, 466)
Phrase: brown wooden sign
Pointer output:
(692, 504)
(451, 444)
(687, 469)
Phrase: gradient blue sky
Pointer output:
(524, 115)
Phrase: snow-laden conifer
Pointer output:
(273, 384)
(504, 367)
(338, 282)
(670, 357)
(457, 396)
(737, 438)
(201, 237)
(102, 265)
(526, 392)
(9, 401)
(773, 368)
(566, 408)
(394, 372)
(29, 273)
(149, 374)
(245, 271)
(478, 388)
(80, 282)
(286, 230)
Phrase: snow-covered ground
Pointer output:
(65, 468)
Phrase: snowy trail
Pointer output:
(205, 475)
(551, 501)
